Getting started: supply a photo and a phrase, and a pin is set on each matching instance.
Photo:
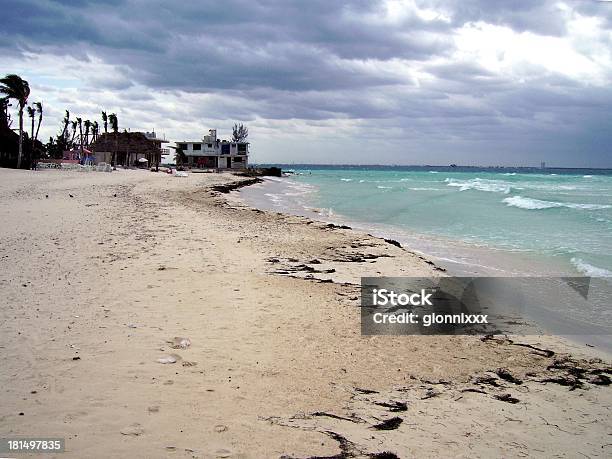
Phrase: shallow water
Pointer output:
(514, 221)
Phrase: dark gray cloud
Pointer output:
(396, 71)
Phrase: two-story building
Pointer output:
(213, 153)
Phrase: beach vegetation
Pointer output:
(15, 87)
(239, 132)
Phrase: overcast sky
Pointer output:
(323, 81)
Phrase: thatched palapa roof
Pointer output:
(125, 142)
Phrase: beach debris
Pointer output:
(365, 391)
(334, 416)
(76, 358)
(389, 424)
(153, 409)
(133, 430)
(132, 326)
(179, 343)
(486, 379)
(431, 393)
(506, 398)
(384, 455)
(226, 188)
(70, 195)
(220, 428)
(393, 406)
(172, 358)
(222, 452)
(393, 242)
(187, 363)
(332, 226)
(505, 374)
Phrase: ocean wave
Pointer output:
(480, 185)
(590, 270)
(346, 179)
(424, 189)
(537, 204)
(587, 176)
(510, 173)
(384, 187)
(433, 172)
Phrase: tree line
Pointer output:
(74, 133)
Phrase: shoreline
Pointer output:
(276, 365)
(459, 258)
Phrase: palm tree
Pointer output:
(31, 114)
(39, 109)
(74, 125)
(87, 128)
(112, 118)
(80, 121)
(105, 119)
(95, 129)
(17, 88)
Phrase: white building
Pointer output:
(213, 153)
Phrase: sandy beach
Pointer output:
(100, 272)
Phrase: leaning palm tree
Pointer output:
(87, 128)
(17, 88)
(80, 121)
(105, 120)
(39, 110)
(32, 115)
(112, 119)
(74, 125)
(95, 130)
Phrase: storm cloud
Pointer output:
(404, 82)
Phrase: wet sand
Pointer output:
(101, 274)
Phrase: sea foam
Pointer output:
(537, 204)
(590, 270)
(480, 185)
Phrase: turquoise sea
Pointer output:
(520, 220)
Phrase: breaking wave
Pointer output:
(537, 204)
(480, 185)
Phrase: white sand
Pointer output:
(110, 279)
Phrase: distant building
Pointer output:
(213, 153)
(130, 148)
